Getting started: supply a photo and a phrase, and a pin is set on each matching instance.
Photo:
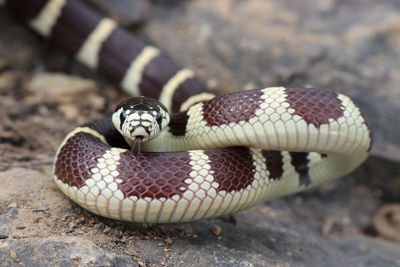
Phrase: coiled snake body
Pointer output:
(218, 155)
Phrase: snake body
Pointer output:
(219, 155)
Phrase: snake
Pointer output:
(201, 156)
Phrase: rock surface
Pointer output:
(41, 227)
(346, 46)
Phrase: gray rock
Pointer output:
(316, 228)
(71, 251)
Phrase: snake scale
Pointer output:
(218, 155)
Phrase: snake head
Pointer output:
(140, 118)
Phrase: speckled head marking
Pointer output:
(140, 118)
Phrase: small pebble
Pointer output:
(13, 255)
(72, 225)
(168, 240)
(13, 205)
(216, 230)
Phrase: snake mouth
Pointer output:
(140, 132)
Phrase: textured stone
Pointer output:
(58, 87)
(314, 228)
(60, 251)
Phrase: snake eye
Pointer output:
(122, 118)
(159, 119)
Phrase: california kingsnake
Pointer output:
(325, 132)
